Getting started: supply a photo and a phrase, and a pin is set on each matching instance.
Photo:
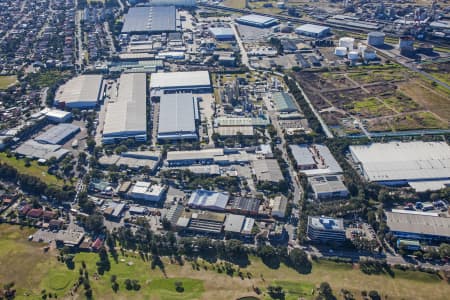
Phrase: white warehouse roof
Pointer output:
(180, 79)
(311, 28)
(80, 91)
(405, 161)
(127, 117)
(208, 200)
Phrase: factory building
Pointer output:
(222, 33)
(324, 229)
(238, 225)
(81, 92)
(267, 170)
(315, 159)
(150, 19)
(179, 82)
(257, 21)
(201, 222)
(33, 149)
(203, 199)
(421, 227)
(376, 38)
(328, 187)
(178, 117)
(147, 191)
(312, 30)
(284, 102)
(417, 164)
(58, 135)
(127, 117)
(176, 3)
(245, 206)
(279, 206)
(58, 116)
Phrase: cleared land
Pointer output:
(384, 97)
(32, 270)
(234, 3)
(7, 81)
(34, 169)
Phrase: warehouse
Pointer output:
(196, 157)
(81, 92)
(222, 33)
(58, 116)
(244, 205)
(205, 222)
(279, 206)
(150, 19)
(283, 102)
(411, 162)
(33, 149)
(328, 187)
(58, 135)
(325, 229)
(267, 170)
(204, 199)
(312, 30)
(257, 21)
(185, 82)
(420, 227)
(315, 159)
(147, 191)
(178, 117)
(237, 225)
(127, 117)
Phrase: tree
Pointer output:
(325, 292)
(298, 259)
(374, 295)
(444, 250)
(179, 286)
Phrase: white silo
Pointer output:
(353, 55)
(340, 51)
(347, 42)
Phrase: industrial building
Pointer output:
(267, 170)
(133, 160)
(422, 227)
(222, 33)
(279, 206)
(411, 163)
(257, 21)
(206, 157)
(284, 102)
(33, 149)
(201, 222)
(176, 82)
(203, 199)
(245, 206)
(58, 135)
(312, 30)
(176, 3)
(315, 159)
(178, 117)
(325, 229)
(150, 19)
(58, 116)
(81, 92)
(127, 117)
(328, 187)
(147, 191)
(238, 225)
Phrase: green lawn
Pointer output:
(33, 270)
(6, 81)
(34, 169)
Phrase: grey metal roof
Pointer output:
(284, 102)
(327, 184)
(57, 134)
(180, 79)
(34, 149)
(302, 155)
(234, 223)
(177, 114)
(128, 115)
(84, 88)
(419, 224)
(150, 19)
(267, 170)
(221, 31)
(257, 20)
(312, 28)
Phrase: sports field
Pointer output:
(34, 270)
(6, 81)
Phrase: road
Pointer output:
(79, 37)
(244, 56)
(110, 38)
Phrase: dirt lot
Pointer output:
(385, 97)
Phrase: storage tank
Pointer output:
(347, 42)
(353, 55)
(361, 48)
(406, 44)
(340, 51)
(376, 38)
(369, 54)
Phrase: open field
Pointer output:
(33, 270)
(6, 81)
(34, 169)
(387, 97)
(234, 3)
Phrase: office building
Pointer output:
(328, 187)
(325, 229)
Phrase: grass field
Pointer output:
(34, 169)
(6, 81)
(32, 270)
